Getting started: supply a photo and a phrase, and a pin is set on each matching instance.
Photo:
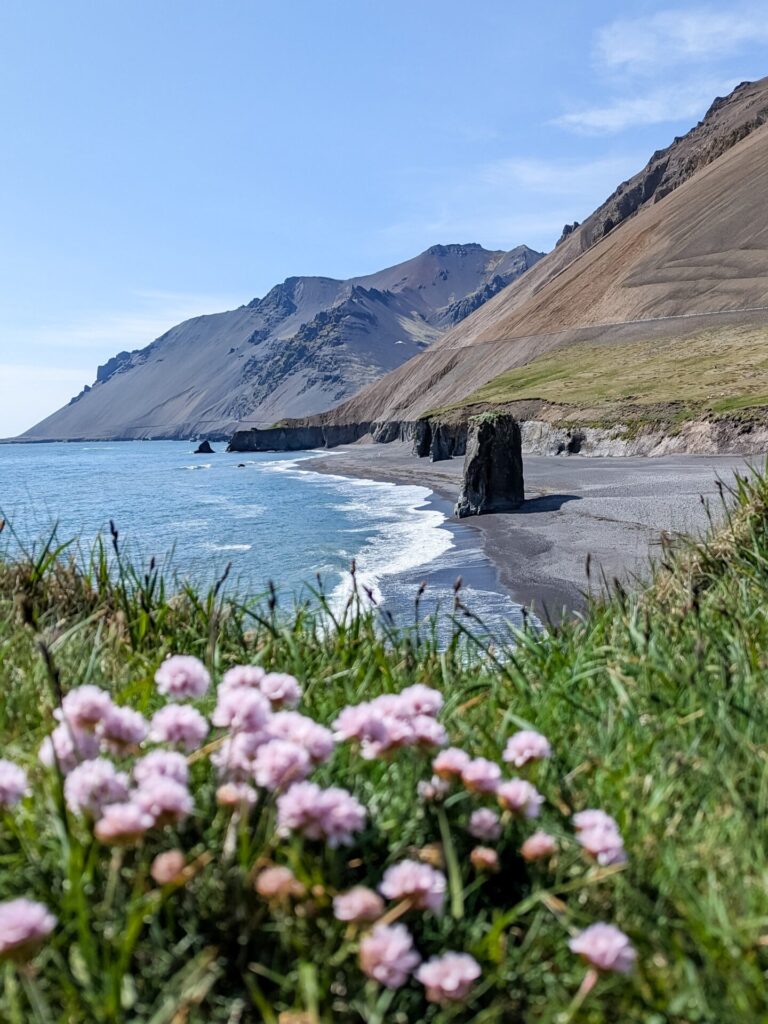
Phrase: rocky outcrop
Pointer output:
(439, 438)
(204, 448)
(493, 467)
(292, 438)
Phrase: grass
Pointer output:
(656, 707)
(714, 372)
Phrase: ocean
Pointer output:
(270, 517)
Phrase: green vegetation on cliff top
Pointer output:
(714, 372)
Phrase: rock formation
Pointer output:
(493, 467)
(204, 448)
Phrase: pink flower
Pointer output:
(67, 746)
(332, 814)
(433, 789)
(165, 800)
(484, 824)
(94, 784)
(121, 728)
(235, 758)
(279, 763)
(605, 845)
(520, 797)
(360, 722)
(167, 867)
(180, 725)
(538, 846)
(387, 955)
(316, 739)
(241, 710)
(13, 783)
(358, 904)
(484, 858)
(122, 824)
(166, 763)
(341, 815)
(278, 883)
(592, 818)
(426, 732)
(235, 794)
(423, 885)
(605, 947)
(420, 700)
(526, 746)
(24, 926)
(181, 676)
(448, 978)
(84, 707)
(481, 775)
(450, 763)
(280, 689)
(242, 677)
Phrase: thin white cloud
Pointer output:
(667, 66)
(510, 201)
(553, 177)
(688, 101)
(689, 35)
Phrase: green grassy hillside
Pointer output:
(711, 373)
(655, 706)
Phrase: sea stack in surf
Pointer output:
(493, 467)
(204, 448)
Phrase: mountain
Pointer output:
(684, 239)
(308, 344)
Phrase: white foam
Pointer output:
(229, 547)
(199, 465)
(407, 533)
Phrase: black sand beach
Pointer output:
(615, 512)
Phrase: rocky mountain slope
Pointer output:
(684, 239)
(307, 345)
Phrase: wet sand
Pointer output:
(611, 512)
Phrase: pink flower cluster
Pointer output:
(182, 677)
(14, 785)
(598, 835)
(24, 926)
(448, 978)
(89, 724)
(272, 747)
(525, 746)
(393, 720)
(357, 905)
(96, 789)
(332, 814)
(605, 948)
(279, 688)
(387, 955)
(423, 886)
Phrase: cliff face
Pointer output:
(308, 344)
(686, 237)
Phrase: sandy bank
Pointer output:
(613, 512)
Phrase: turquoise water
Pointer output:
(264, 513)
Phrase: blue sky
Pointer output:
(163, 158)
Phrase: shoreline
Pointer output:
(612, 513)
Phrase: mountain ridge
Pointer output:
(686, 235)
(307, 344)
